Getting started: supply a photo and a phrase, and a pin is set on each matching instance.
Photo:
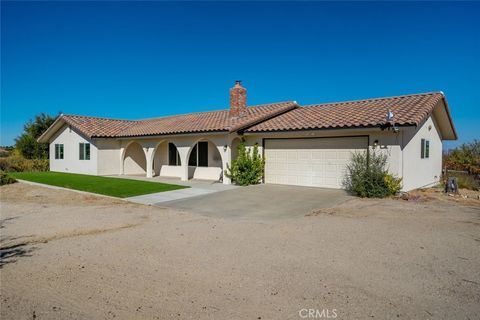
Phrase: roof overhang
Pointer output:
(168, 135)
(312, 131)
(442, 115)
(56, 125)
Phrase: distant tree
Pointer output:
(464, 157)
(26, 144)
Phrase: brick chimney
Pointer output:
(238, 100)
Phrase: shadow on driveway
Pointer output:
(265, 201)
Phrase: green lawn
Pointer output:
(116, 187)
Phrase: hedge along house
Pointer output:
(302, 145)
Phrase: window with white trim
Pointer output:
(425, 149)
(58, 151)
(84, 151)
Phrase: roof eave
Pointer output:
(376, 126)
(57, 124)
(169, 134)
(447, 110)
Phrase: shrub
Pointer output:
(5, 178)
(247, 169)
(367, 176)
(17, 163)
(393, 184)
(5, 151)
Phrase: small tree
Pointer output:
(248, 168)
(367, 176)
(27, 143)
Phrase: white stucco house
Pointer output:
(302, 145)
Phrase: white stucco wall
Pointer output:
(135, 161)
(71, 161)
(108, 151)
(417, 172)
(389, 144)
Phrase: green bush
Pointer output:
(5, 178)
(17, 163)
(247, 169)
(367, 176)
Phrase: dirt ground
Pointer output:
(67, 255)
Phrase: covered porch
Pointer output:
(184, 158)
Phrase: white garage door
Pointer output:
(317, 162)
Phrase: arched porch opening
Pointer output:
(134, 160)
(205, 161)
(166, 160)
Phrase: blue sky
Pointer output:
(146, 59)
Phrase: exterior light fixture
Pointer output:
(375, 144)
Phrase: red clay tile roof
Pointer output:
(283, 116)
(205, 121)
(407, 110)
(97, 127)
(93, 127)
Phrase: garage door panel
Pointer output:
(304, 156)
(345, 155)
(318, 168)
(317, 162)
(317, 155)
(330, 155)
(304, 181)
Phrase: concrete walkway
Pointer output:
(194, 183)
(160, 197)
(197, 188)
